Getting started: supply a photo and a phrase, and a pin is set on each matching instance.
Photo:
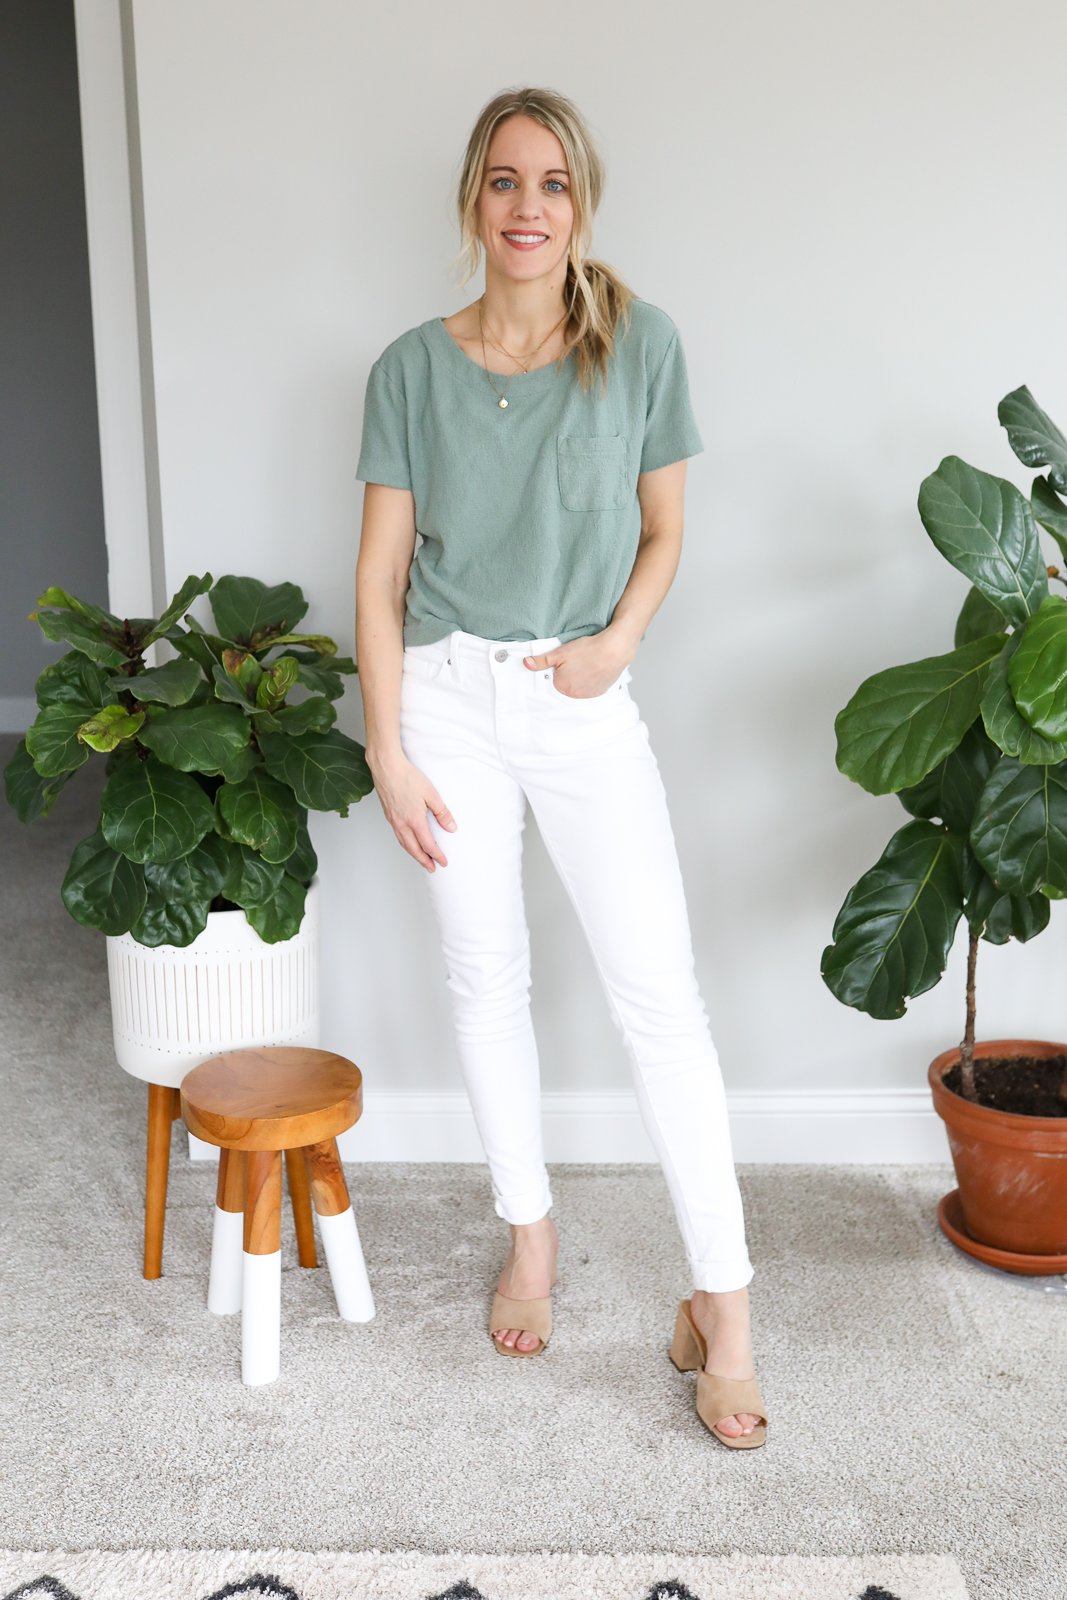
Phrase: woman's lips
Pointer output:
(515, 245)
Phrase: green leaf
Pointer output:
(196, 739)
(1004, 723)
(999, 917)
(249, 613)
(169, 920)
(179, 894)
(110, 727)
(66, 627)
(303, 862)
(317, 642)
(103, 620)
(895, 929)
(52, 740)
(950, 792)
(243, 666)
(901, 722)
(203, 648)
(179, 605)
(260, 812)
(171, 684)
(31, 795)
(235, 767)
(321, 680)
(1037, 671)
(1019, 834)
(102, 889)
(1033, 435)
(279, 917)
(984, 526)
(150, 812)
(316, 714)
(326, 771)
(334, 663)
(275, 683)
(322, 675)
(227, 687)
(250, 880)
(73, 680)
(978, 618)
(1050, 511)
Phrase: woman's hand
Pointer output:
(406, 794)
(586, 666)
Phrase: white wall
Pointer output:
(853, 213)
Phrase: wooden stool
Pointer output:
(164, 1108)
(254, 1104)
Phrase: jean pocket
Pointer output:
(592, 471)
(608, 696)
(427, 661)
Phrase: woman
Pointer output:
(538, 441)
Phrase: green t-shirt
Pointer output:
(529, 517)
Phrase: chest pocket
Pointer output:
(592, 471)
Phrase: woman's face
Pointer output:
(525, 191)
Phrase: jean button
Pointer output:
(501, 655)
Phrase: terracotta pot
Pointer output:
(1011, 1169)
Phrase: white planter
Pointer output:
(172, 1008)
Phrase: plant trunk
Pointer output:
(967, 1086)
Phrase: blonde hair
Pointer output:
(593, 292)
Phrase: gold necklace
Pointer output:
(503, 401)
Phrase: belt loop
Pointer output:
(452, 665)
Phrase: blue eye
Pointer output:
(560, 187)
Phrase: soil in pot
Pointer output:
(1027, 1086)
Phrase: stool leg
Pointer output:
(300, 1196)
(261, 1286)
(163, 1106)
(340, 1236)
(224, 1282)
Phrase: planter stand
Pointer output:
(172, 1007)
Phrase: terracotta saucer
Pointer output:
(950, 1217)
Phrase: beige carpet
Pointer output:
(917, 1399)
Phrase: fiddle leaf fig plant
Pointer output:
(973, 742)
(211, 767)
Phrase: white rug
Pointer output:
(407, 1575)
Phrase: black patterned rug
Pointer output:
(410, 1575)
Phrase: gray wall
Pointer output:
(51, 513)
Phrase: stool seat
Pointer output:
(278, 1097)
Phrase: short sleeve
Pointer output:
(671, 432)
(383, 455)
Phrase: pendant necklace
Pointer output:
(503, 401)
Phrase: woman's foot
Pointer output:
(724, 1323)
(528, 1273)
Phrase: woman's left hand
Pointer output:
(586, 666)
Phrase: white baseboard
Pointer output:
(815, 1126)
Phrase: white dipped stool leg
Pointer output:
(348, 1271)
(261, 1284)
(224, 1281)
(340, 1236)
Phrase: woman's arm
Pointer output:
(383, 572)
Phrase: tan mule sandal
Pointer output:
(717, 1397)
(534, 1316)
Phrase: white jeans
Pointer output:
(490, 734)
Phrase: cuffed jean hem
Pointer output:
(719, 1277)
(521, 1208)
